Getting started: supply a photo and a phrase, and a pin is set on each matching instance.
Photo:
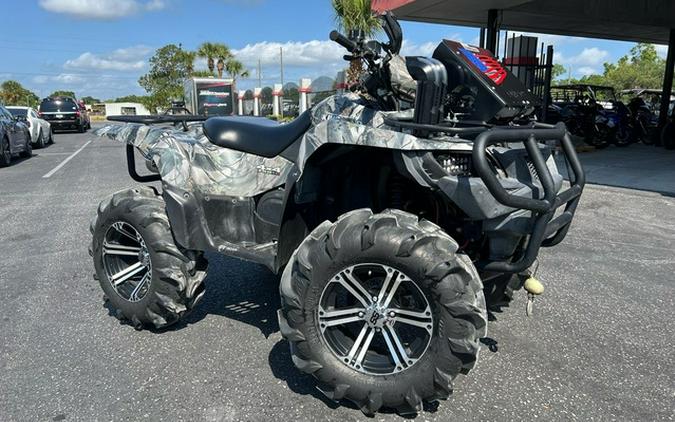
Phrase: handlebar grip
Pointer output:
(343, 41)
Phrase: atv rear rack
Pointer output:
(546, 230)
(152, 120)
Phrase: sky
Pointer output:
(101, 47)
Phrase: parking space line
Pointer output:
(63, 163)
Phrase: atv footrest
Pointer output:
(546, 231)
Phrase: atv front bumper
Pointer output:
(545, 230)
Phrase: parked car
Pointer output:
(84, 113)
(14, 137)
(64, 113)
(40, 129)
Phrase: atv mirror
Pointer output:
(394, 32)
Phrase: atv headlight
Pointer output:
(455, 164)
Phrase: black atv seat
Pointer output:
(255, 135)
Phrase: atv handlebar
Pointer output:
(343, 41)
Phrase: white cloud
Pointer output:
(587, 70)
(101, 9)
(315, 54)
(122, 59)
(587, 58)
(425, 49)
(69, 78)
(40, 79)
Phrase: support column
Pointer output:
(341, 82)
(491, 32)
(256, 101)
(667, 80)
(547, 83)
(304, 91)
(240, 102)
(276, 99)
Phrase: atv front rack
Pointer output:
(546, 230)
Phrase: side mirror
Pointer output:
(394, 32)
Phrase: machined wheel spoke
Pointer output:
(385, 285)
(340, 316)
(142, 282)
(126, 274)
(422, 315)
(112, 249)
(120, 228)
(364, 347)
(392, 291)
(354, 287)
(361, 343)
(392, 349)
(398, 346)
(426, 324)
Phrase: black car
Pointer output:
(14, 137)
(64, 113)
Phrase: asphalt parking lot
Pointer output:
(600, 346)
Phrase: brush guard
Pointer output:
(546, 230)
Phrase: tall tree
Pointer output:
(236, 69)
(223, 56)
(62, 93)
(90, 100)
(355, 16)
(169, 67)
(13, 93)
(212, 52)
(640, 68)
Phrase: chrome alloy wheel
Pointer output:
(375, 319)
(126, 261)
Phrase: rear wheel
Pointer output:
(27, 148)
(146, 278)
(5, 152)
(382, 310)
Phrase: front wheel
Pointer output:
(146, 278)
(382, 310)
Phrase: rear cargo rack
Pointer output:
(151, 120)
(546, 231)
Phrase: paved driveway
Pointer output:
(599, 348)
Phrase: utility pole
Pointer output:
(281, 63)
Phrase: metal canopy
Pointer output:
(625, 20)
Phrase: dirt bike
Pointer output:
(389, 224)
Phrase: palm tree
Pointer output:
(355, 17)
(223, 56)
(236, 69)
(212, 52)
(189, 57)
